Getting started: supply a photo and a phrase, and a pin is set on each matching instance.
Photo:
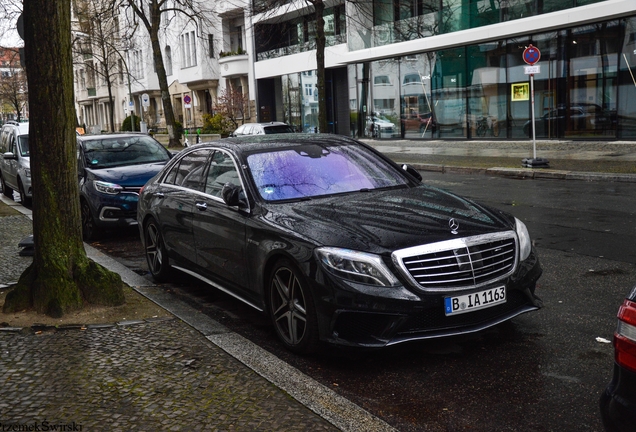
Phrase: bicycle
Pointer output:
(484, 124)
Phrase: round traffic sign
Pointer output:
(187, 99)
(531, 55)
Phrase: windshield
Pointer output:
(278, 129)
(23, 145)
(315, 170)
(121, 151)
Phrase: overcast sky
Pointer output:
(8, 34)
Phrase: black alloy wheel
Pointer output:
(89, 229)
(156, 254)
(292, 308)
(6, 190)
(26, 201)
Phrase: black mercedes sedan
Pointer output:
(335, 242)
(618, 401)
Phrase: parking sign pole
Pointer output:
(534, 132)
(531, 56)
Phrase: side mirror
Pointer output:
(412, 172)
(9, 156)
(231, 194)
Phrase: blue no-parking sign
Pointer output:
(531, 55)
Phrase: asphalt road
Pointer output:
(542, 371)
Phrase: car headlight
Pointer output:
(27, 172)
(356, 266)
(107, 188)
(525, 244)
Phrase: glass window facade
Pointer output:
(393, 21)
(586, 89)
(299, 34)
(300, 101)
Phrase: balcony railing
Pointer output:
(234, 65)
(306, 46)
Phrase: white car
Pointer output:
(380, 127)
(15, 163)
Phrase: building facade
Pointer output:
(413, 69)
(454, 69)
(13, 87)
(203, 59)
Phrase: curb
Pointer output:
(528, 173)
(41, 328)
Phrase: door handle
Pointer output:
(159, 194)
(202, 206)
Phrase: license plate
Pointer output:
(474, 301)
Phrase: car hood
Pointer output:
(127, 176)
(384, 221)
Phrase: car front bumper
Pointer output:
(116, 210)
(378, 317)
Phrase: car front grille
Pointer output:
(134, 190)
(459, 263)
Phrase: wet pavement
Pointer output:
(187, 372)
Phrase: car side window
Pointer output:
(189, 173)
(222, 171)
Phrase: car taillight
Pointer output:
(625, 336)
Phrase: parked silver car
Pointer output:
(15, 165)
(262, 129)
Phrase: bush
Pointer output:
(126, 125)
(216, 124)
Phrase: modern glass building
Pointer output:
(454, 69)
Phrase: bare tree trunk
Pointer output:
(320, 60)
(61, 277)
(166, 101)
(157, 56)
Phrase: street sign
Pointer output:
(187, 99)
(531, 70)
(531, 55)
(145, 100)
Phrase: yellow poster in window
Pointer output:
(520, 92)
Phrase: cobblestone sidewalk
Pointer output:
(150, 376)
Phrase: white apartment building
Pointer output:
(202, 59)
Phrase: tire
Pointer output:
(292, 309)
(6, 190)
(26, 201)
(156, 254)
(89, 228)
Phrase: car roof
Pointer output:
(111, 135)
(23, 128)
(265, 124)
(250, 143)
